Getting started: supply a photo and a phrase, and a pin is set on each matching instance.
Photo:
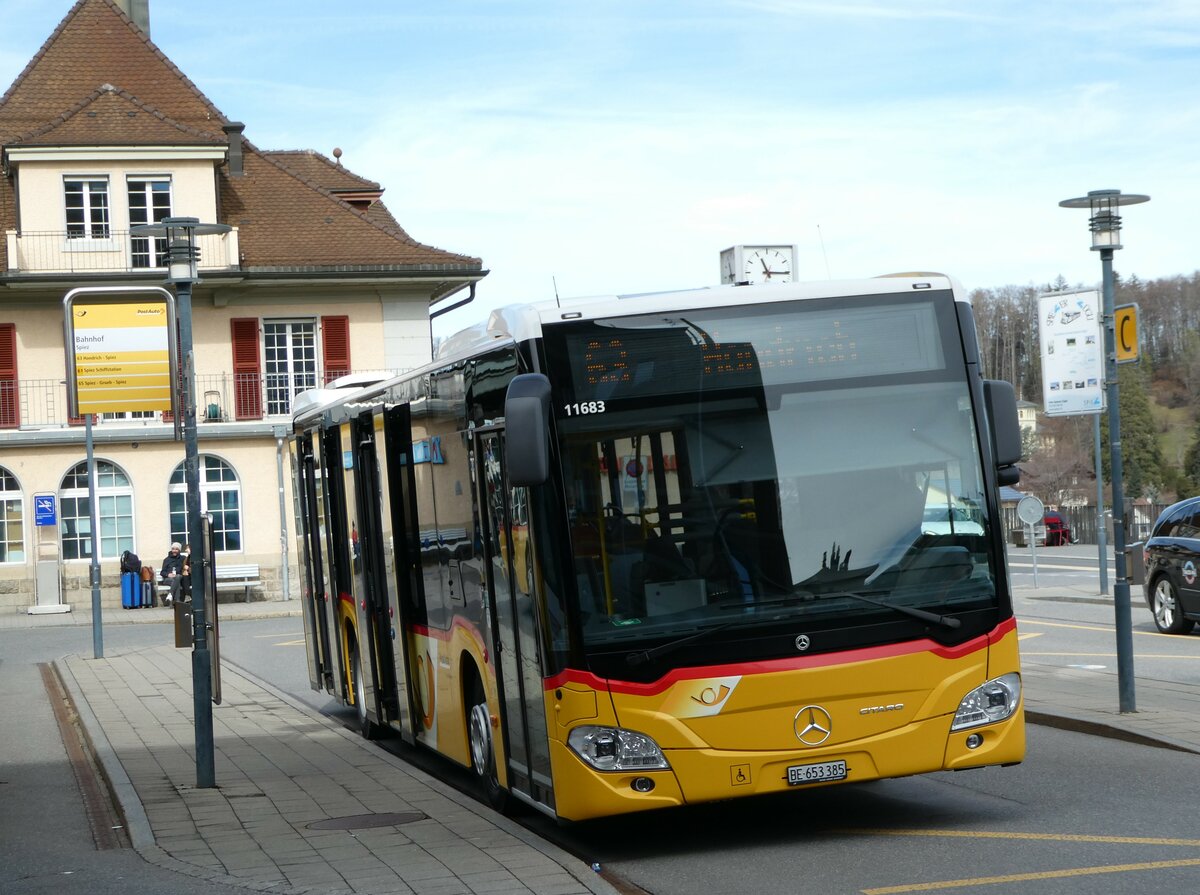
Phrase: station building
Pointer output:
(314, 279)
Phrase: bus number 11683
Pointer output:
(584, 407)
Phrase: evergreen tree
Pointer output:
(1191, 465)
(1141, 454)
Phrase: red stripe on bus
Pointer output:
(867, 654)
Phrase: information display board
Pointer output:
(120, 351)
(1072, 345)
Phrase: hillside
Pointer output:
(1160, 395)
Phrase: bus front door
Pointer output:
(515, 622)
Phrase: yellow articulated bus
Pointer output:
(657, 550)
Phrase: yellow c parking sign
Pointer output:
(1125, 323)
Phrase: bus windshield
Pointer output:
(738, 476)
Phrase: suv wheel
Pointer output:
(1164, 603)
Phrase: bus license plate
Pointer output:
(822, 772)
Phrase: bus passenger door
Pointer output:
(314, 592)
(371, 575)
(515, 621)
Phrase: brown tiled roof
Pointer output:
(98, 80)
(97, 44)
(287, 222)
(114, 118)
(320, 169)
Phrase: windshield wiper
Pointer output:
(641, 657)
(922, 614)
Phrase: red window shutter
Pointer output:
(335, 346)
(10, 403)
(247, 369)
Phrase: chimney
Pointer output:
(138, 10)
(233, 130)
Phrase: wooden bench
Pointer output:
(231, 577)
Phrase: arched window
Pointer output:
(220, 495)
(115, 496)
(12, 519)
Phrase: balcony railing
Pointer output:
(111, 251)
(28, 404)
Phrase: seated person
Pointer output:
(172, 573)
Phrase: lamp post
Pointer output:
(183, 258)
(1105, 225)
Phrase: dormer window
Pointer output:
(149, 203)
(87, 207)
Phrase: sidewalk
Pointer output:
(282, 769)
(301, 805)
(1168, 714)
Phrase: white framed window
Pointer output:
(149, 203)
(12, 519)
(87, 207)
(220, 495)
(290, 361)
(114, 494)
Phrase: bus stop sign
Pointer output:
(1125, 322)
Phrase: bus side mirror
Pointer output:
(527, 429)
(1001, 403)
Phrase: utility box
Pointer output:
(1135, 563)
(183, 623)
(49, 589)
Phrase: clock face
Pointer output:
(767, 264)
(728, 273)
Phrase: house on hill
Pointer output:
(101, 133)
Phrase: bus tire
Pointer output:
(482, 747)
(365, 727)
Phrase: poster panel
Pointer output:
(1072, 347)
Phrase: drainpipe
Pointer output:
(283, 535)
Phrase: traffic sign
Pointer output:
(1125, 322)
(44, 510)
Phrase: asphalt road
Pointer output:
(1081, 815)
(46, 844)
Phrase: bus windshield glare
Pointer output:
(768, 471)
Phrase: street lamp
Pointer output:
(1105, 225)
(183, 258)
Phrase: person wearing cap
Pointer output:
(172, 573)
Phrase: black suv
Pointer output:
(1172, 555)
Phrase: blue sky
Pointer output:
(613, 147)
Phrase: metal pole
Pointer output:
(201, 671)
(94, 568)
(1124, 619)
(1101, 532)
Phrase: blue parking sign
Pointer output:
(44, 512)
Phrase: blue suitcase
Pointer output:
(131, 591)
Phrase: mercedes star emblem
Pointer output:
(813, 725)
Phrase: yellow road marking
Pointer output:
(299, 642)
(1106, 655)
(1021, 877)
(271, 636)
(1036, 837)
(1030, 635)
(1104, 630)
(1046, 874)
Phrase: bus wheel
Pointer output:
(365, 727)
(483, 755)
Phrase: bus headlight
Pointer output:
(991, 702)
(615, 749)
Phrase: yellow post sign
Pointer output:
(1125, 323)
(120, 350)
